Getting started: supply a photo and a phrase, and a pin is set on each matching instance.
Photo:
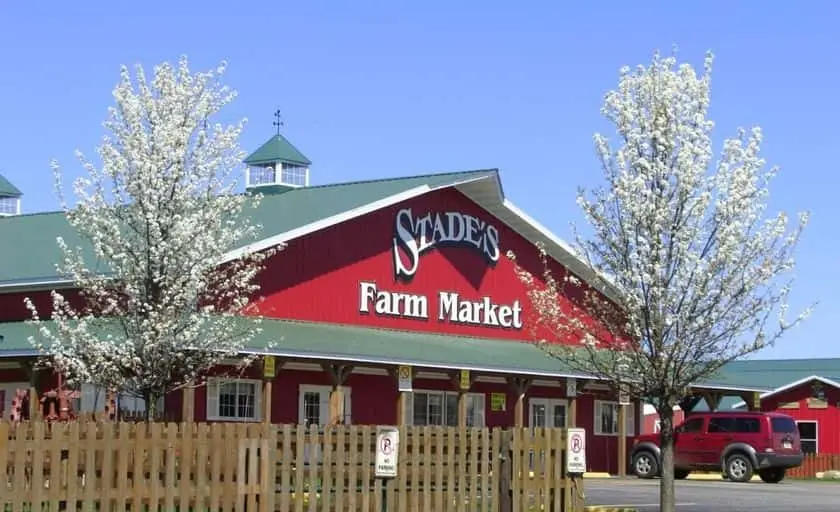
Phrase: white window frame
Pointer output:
(549, 404)
(600, 404)
(212, 399)
(816, 439)
(479, 410)
(311, 388)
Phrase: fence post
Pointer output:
(505, 472)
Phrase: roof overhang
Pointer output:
(793, 385)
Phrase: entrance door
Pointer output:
(314, 405)
(547, 413)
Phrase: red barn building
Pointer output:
(806, 389)
(393, 303)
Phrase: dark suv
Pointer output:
(739, 443)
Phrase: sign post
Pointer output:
(387, 456)
(576, 451)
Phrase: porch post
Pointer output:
(269, 372)
(463, 383)
(520, 387)
(713, 399)
(752, 400)
(338, 375)
(187, 403)
(571, 395)
(405, 378)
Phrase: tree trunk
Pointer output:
(667, 498)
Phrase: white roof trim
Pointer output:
(333, 220)
(792, 385)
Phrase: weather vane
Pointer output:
(279, 122)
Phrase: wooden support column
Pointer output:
(688, 403)
(520, 387)
(573, 387)
(338, 376)
(34, 402)
(713, 399)
(188, 403)
(463, 381)
(269, 368)
(752, 399)
(404, 375)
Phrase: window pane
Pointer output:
(808, 430)
(435, 414)
(747, 425)
(559, 416)
(808, 446)
(452, 409)
(693, 425)
(227, 400)
(783, 425)
(537, 415)
(721, 425)
(421, 405)
(312, 408)
(609, 418)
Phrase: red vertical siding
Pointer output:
(317, 277)
(828, 419)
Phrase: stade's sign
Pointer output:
(415, 235)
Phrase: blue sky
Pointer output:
(375, 89)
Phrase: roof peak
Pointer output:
(7, 189)
(277, 149)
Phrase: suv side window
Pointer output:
(692, 425)
(747, 425)
(721, 425)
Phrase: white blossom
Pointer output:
(693, 265)
(157, 217)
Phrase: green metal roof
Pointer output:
(34, 253)
(331, 342)
(7, 189)
(276, 149)
(774, 373)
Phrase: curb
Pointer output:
(597, 508)
(597, 475)
(691, 476)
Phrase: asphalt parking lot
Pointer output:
(714, 496)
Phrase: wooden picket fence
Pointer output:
(815, 463)
(196, 467)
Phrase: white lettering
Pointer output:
(451, 307)
(415, 235)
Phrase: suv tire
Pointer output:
(681, 474)
(645, 464)
(739, 468)
(772, 476)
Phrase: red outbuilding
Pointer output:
(392, 303)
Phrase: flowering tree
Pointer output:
(691, 270)
(158, 299)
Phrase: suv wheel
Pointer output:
(739, 468)
(772, 476)
(645, 464)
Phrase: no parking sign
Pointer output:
(576, 450)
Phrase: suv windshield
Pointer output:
(783, 425)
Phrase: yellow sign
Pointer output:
(269, 367)
(498, 402)
(465, 380)
(404, 378)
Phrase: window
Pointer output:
(741, 425)
(547, 412)
(807, 436)
(606, 418)
(441, 408)
(314, 404)
(692, 425)
(234, 399)
(9, 205)
(783, 425)
(93, 398)
(261, 175)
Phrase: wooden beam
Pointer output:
(752, 399)
(713, 399)
(622, 440)
(266, 402)
(520, 386)
(188, 404)
(688, 403)
(338, 373)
